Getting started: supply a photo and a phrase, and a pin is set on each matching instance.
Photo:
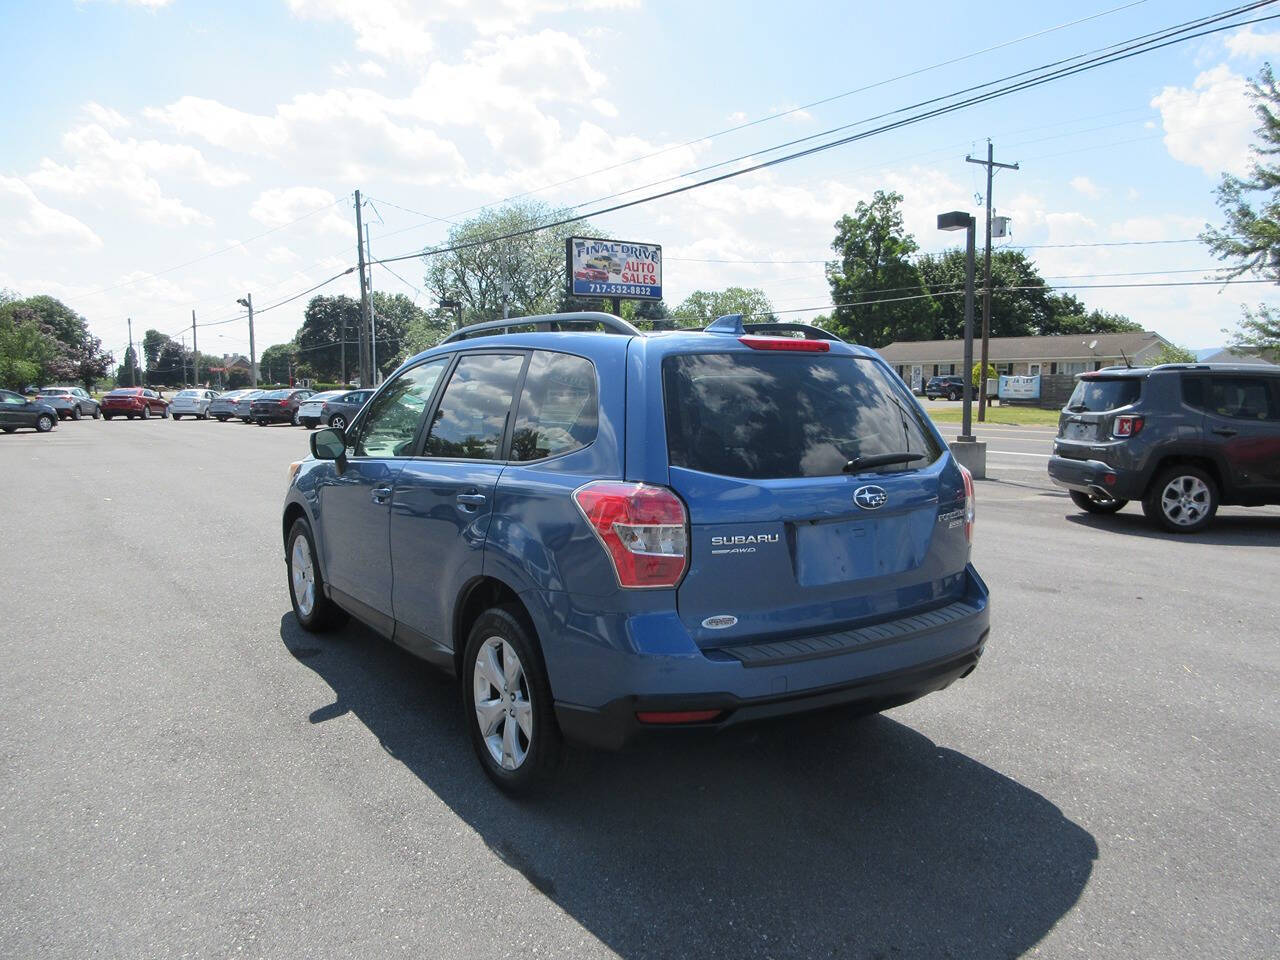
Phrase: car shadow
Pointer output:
(819, 835)
(1232, 530)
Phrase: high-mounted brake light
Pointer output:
(643, 528)
(968, 503)
(786, 343)
(1127, 427)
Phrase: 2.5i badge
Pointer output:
(720, 621)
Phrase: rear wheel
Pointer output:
(295, 418)
(108, 416)
(10, 429)
(1094, 504)
(222, 419)
(338, 421)
(1183, 499)
(315, 611)
(146, 412)
(164, 413)
(953, 395)
(177, 416)
(261, 422)
(507, 703)
(44, 422)
(97, 412)
(75, 413)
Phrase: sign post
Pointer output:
(615, 270)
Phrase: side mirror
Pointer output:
(328, 444)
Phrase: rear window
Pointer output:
(276, 395)
(557, 412)
(129, 392)
(190, 393)
(769, 416)
(1094, 396)
(54, 392)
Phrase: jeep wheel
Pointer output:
(507, 703)
(1183, 499)
(1094, 504)
(953, 395)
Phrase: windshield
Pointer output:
(1094, 396)
(770, 416)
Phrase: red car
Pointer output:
(134, 402)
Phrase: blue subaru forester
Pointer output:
(601, 531)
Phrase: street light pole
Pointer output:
(967, 449)
(247, 302)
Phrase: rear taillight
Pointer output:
(324, 408)
(1126, 427)
(786, 343)
(968, 503)
(284, 402)
(643, 528)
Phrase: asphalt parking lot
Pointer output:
(187, 774)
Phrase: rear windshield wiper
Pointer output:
(880, 460)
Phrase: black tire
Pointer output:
(75, 412)
(294, 422)
(953, 395)
(246, 419)
(97, 412)
(261, 422)
(45, 422)
(177, 416)
(543, 748)
(202, 416)
(222, 419)
(1202, 500)
(129, 416)
(1090, 505)
(164, 413)
(339, 421)
(324, 614)
(10, 429)
(108, 416)
(146, 411)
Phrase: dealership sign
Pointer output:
(613, 268)
(1019, 388)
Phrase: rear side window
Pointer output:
(768, 416)
(558, 407)
(1094, 396)
(1241, 398)
(472, 416)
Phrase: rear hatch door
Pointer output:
(794, 529)
(1090, 413)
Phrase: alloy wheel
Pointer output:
(1185, 500)
(302, 572)
(503, 709)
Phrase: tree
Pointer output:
(703, 306)
(874, 273)
(1172, 353)
(393, 315)
(172, 366)
(153, 342)
(129, 373)
(1250, 237)
(44, 331)
(85, 364)
(275, 364)
(326, 323)
(992, 374)
(26, 348)
(529, 269)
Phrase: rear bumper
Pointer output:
(272, 416)
(873, 668)
(1095, 477)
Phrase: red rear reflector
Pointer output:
(677, 716)
(1109, 479)
(786, 343)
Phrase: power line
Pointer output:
(1140, 46)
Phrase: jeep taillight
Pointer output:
(968, 503)
(1126, 427)
(643, 528)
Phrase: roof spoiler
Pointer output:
(732, 325)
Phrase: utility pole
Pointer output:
(247, 303)
(373, 320)
(195, 354)
(991, 165)
(365, 313)
(131, 356)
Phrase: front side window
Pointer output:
(1241, 398)
(772, 416)
(472, 415)
(558, 409)
(389, 428)
(13, 398)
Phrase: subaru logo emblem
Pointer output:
(870, 498)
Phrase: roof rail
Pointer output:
(731, 324)
(546, 321)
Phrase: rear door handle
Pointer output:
(380, 494)
(471, 499)
(1224, 431)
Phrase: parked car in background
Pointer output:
(71, 403)
(277, 406)
(1183, 439)
(223, 406)
(340, 411)
(605, 533)
(192, 403)
(133, 402)
(244, 402)
(309, 409)
(951, 387)
(19, 411)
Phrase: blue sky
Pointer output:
(149, 134)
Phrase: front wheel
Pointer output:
(953, 395)
(1183, 499)
(75, 413)
(223, 419)
(507, 703)
(295, 418)
(146, 413)
(97, 412)
(44, 422)
(164, 413)
(315, 611)
(177, 416)
(1093, 504)
(108, 416)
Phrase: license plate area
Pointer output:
(1078, 430)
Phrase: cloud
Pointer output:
(149, 4)
(105, 116)
(1246, 43)
(27, 216)
(106, 166)
(1086, 186)
(1209, 126)
(279, 206)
